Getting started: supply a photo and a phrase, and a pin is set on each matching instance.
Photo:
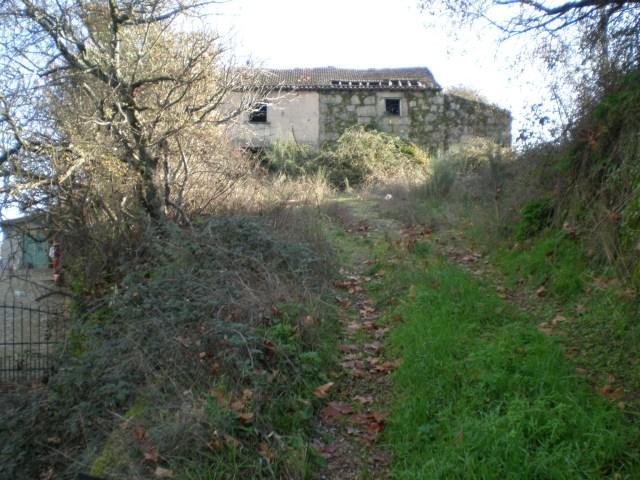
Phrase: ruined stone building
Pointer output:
(315, 105)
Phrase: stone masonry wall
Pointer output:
(467, 118)
(427, 117)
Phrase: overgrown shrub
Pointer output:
(472, 177)
(475, 154)
(476, 165)
(443, 176)
(204, 355)
(360, 157)
(366, 157)
(101, 224)
(292, 158)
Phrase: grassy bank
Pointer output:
(601, 331)
(483, 394)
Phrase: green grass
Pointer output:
(605, 339)
(482, 394)
(552, 260)
(603, 333)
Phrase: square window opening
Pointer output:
(392, 106)
(259, 113)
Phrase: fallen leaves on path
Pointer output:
(611, 392)
(334, 410)
(160, 472)
(343, 302)
(149, 451)
(551, 326)
(364, 399)
(323, 390)
(362, 424)
(351, 285)
(410, 236)
(374, 346)
(348, 419)
(246, 417)
(348, 348)
(327, 450)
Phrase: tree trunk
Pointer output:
(149, 194)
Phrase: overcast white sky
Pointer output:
(375, 34)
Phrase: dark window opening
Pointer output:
(259, 113)
(392, 106)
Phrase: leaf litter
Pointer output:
(350, 424)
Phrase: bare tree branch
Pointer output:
(115, 79)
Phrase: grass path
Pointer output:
(474, 389)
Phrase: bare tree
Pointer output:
(92, 85)
(615, 23)
(521, 16)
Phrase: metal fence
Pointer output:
(28, 339)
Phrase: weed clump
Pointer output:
(292, 159)
(473, 168)
(535, 216)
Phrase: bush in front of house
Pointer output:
(475, 168)
(360, 157)
(291, 158)
(366, 157)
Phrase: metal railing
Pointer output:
(28, 339)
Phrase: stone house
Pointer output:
(315, 105)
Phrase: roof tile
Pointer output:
(348, 78)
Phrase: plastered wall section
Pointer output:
(291, 116)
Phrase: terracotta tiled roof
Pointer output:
(348, 78)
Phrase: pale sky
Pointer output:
(375, 34)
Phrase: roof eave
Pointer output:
(347, 88)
